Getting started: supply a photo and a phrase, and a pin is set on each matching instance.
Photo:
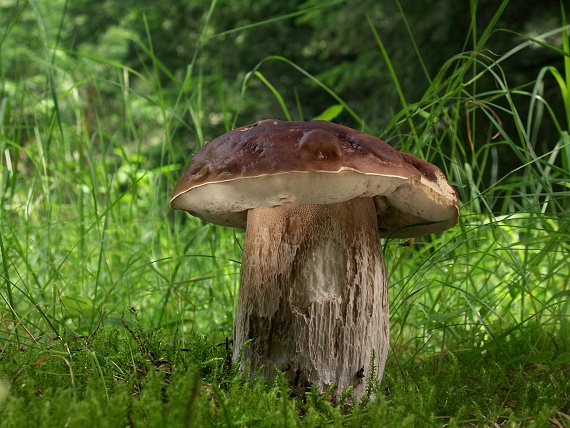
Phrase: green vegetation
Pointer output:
(116, 310)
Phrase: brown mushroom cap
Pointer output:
(274, 162)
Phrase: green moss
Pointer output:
(192, 385)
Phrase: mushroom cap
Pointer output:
(273, 162)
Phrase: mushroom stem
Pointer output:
(313, 295)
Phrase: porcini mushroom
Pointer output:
(315, 198)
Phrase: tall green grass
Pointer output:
(479, 313)
(86, 221)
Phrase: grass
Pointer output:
(115, 310)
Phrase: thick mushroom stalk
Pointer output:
(313, 295)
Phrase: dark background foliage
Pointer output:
(330, 39)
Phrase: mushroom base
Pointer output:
(313, 296)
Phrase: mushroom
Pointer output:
(315, 198)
